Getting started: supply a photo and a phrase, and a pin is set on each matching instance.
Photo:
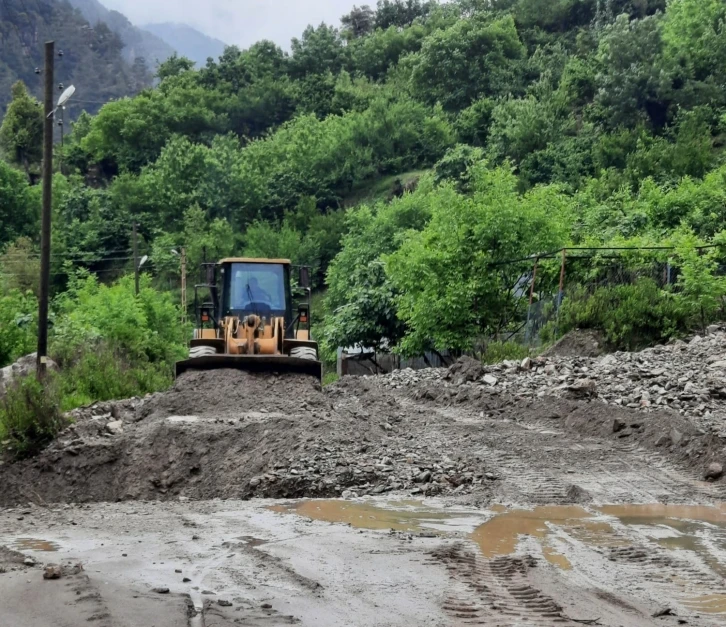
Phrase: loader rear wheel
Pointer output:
(202, 351)
(304, 352)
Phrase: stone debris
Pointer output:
(688, 377)
(52, 571)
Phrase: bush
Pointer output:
(30, 416)
(630, 316)
(100, 373)
(497, 352)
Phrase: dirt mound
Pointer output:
(465, 369)
(577, 343)
(226, 393)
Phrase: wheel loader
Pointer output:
(248, 321)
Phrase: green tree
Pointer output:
(450, 284)
(21, 133)
(475, 57)
(19, 212)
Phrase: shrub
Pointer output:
(497, 352)
(100, 373)
(30, 416)
(630, 316)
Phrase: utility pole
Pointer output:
(184, 285)
(47, 206)
(136, 258)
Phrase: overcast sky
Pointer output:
(240, 22)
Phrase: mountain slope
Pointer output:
(92, 56)
(137, 42)
(188, 42)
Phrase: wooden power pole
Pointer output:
(46, 213)
(136, 258)
(184, 285)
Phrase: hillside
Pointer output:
(138, 43)
(188, 41)
(451, 173)
(92, 56)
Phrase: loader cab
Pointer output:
(256, 286)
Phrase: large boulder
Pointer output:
(21, 368)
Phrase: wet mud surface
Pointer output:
(235, 500)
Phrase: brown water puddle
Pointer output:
(34, 544)
(365, 515)
(501, 535)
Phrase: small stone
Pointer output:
(160, 590)
(718, 365)
(424, 477)
(266, 606)
(526, 364)
(224, 603)
(663, 611)
(491, 476)
(195, 537)
(177, 570)
(186, 580)
(255, 481)
(489, 379)
(29, 561)
(715, 471)
(618, 425)
(115, 427)
(209, 593)
(52, 571)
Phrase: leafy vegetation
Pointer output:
(419, 158)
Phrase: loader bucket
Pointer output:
(276, 364)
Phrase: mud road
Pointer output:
(438, 498)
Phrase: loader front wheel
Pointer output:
(202, 351)
(304, 352)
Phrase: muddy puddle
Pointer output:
(690, 532)
(33, 544)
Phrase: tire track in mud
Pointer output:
(495, 592)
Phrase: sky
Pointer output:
(238, 22)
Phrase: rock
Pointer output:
(550, 369)
(255, 481)
(266, 606)
(718, 365)
(491, 476)
(618, 425)
(676, 436)
(582, 388)
(465, 369)
(52, 571)
(489, 379)
(186, 580)
(424, 477)
(663, 611)
(115, 427)
(714, 471)
(712, 329)
(224, 603)
(526, 364)
(21, 368)
(609, 360)
(160, 590)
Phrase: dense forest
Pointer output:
(408, 156)
(91, 59)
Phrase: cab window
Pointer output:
(257, 284)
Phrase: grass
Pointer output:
(497, 352)
(379, 190)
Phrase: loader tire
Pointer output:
(304, 352)
(201, 351)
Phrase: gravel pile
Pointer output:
(688, 377)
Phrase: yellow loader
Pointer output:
(248, 321)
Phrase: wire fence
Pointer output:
(553, 278)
